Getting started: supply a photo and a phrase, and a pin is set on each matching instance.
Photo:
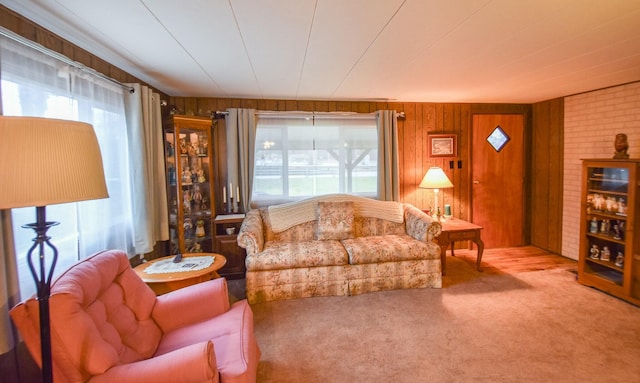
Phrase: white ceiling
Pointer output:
(512, 51)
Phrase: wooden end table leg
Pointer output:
(480, 245)
(443, 259)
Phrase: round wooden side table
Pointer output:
(162, 283)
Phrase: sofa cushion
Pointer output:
(297, 233)
(387, 248)
(335, 220)
(368, 226)
(278, 255)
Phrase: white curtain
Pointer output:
(241, 137)
(9, 292)
(388, 168)
(149, 197)
(36, 84)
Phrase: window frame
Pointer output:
(342, 149)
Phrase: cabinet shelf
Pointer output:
(605, 214)
(611, 192)
(609, 204)
(205, 214)
(609, 180)
(606, 276)
(606, 238)
(608, 264)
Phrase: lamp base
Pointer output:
(436, 212)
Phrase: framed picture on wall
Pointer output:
(442, 145)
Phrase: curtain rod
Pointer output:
(42, 49)
(221, 114)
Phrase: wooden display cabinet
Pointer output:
(609, 257)
(226, 229)
(189, 167)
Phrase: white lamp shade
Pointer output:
(48, 161)
(435, 178)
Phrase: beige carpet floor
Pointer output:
(539, 326)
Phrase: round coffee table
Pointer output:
(162, 283)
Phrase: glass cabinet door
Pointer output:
(609, 257)
(607, 198)
(189, 169)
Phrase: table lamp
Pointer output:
(435, 179)
(45, 162)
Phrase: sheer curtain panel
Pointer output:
(38, 85)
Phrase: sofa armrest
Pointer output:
(419, 225)
(194, 363)
(191, 304)
(251, 235)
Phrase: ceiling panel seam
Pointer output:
(183, 47)
(306, 48)
(246, 51)
(367, 49)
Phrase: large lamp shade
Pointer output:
(48, 161)
(435, 178)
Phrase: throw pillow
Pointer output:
(335, 220)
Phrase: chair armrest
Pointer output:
(194, 363)
(250, 235)
(191, 304)
(419, 225)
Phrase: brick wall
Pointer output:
(591, 121)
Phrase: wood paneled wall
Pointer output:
(420, 120)
(547, 141)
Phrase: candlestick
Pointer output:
(224, 194)
(230, 190)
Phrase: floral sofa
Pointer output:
(338, 245)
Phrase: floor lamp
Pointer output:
(435, 179)
(47, 162)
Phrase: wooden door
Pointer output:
(497, 195)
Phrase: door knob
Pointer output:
(476, 181)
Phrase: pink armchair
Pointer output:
(107, 325)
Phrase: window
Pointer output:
(34, 84)
(302, 155)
